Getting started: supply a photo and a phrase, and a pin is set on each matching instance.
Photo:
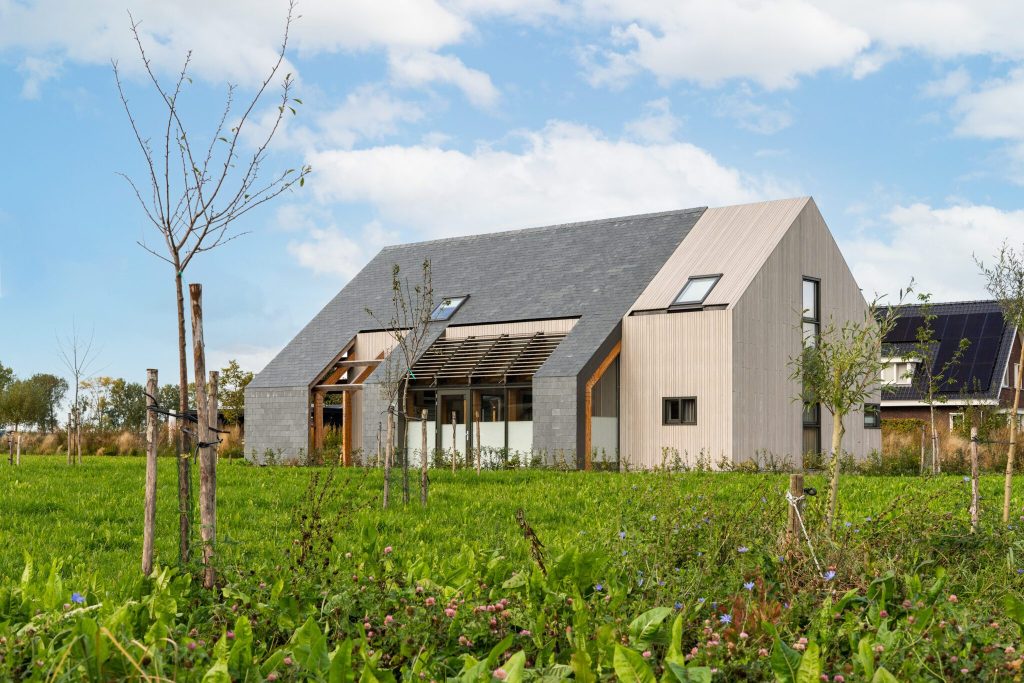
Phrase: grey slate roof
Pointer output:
(980, 322)
(592, 269)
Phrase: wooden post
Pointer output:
(424, 482)
(346, 428)
(922, 451)
(455, 451)
(318, 420)
(18, 450)
(10, 448)
(796, 491)
(476, 440)
(152, 435)
(975, 502)
(388, 450)
(69, 439)
(376, 462)
(78, 435)
(207, 462)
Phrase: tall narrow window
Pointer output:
(811, 310)
(872, 416)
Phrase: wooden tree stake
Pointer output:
(69, 439)
(455, 451)
(476, 433)
(796, 491)
(152, 435)
(975, 498)
(207, 455)
(424, 481)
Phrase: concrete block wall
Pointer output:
(276, 419)
(554, 416)
(374, 414)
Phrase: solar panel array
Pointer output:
(984, 331)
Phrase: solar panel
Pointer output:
(974, 325)
(993, 325)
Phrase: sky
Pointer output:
(432, 118)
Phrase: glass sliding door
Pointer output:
(520, 423)
(489, 410)
(451, 425)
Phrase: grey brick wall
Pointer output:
(554, 416)
(276, 419)
(374, 414)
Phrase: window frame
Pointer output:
(677, 304)
(873, 409)
(665, 421)
(461, 298)
(814, 317)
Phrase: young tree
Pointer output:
(1004, 280)
(933, 383)
(78, 357)
(409, 327)
(839, 369)
(194, 191)
(233, 381)
(6, 376)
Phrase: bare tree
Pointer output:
(409, 327)
(1005, 282)
(193, 192)
(839, 369)
(79, 357)
(932, 382)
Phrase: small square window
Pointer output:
(679, 411)
(872, 416)
(446, 309)
(696, 290)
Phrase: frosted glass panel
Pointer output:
(604, 436)
(414, 440)
(520, 436)
(492, 435)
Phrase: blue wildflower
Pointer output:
(749, 585)
(654, 518)
(742, 549)
(622, 534)
(640, 582)
(679, 605)
(725, 618)
(847, 524)
(829, 575)
(77, 598)
(966, 479)
(700, 600)
(599, 587)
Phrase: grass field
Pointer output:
(640, 570)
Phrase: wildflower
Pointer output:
(77, 598)
(449, 612)
(847, 524)
(524, 633)
(654, 518)
(906, 604)
(742, 549)
(762, 652)
(430, 601)
(599, 587)
(230, 635)
(964, 670)
(679, 605)
(953, 598)
(389, 619)
(464, 641)
(287, 661)
(387, 550)
(1009, 650)
(272, 676)
(884, 614)
(725, 618)
(744, 635)
(700, 600)
(879, 648)
(823, 677)
(829, 575)
(500, 674)
(191, 645)
(647, 653)
(622, 534)
(966, 479)
(749, 585)
(839, 678)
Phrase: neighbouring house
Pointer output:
(984, 375)
(626, 340)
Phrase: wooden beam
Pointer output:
(336, 388)
(346, 429)
(318, 420)
(588, 401)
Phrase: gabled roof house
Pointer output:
(625, 341)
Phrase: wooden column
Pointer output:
(588, 402)
(318, 420)
(346, 428)
(152, 435)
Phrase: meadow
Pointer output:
(638, 577)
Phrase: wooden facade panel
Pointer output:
(675, 354)
(560, 325)
(733, 241)
(767, 336)
(368, 345)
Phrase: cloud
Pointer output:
(37, 71)
(419, 69)
(994, 109)
(331, 251)
(933, 245)
(954, 83)
(657, 124)
(750, 115)
(560, 173)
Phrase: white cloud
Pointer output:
(368, 113)
(36, 71)
(418, 69)
(933, 245)
(657, 124)
(954, 83)
(562, 172)
(332, 251)
(751, 115)
(994, 109)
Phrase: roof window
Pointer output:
(446, 309)
(696, 290)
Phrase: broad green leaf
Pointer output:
(514, 667)
(630, 667)
(643, 629)
(810, 665)
(582, 667)
(866, 657)
(785, 661)
(340, 670)
(499, 649)
(1014, 606)
(676, 639)
(883, 676)
(309, 646)
(218, 673)
(688, 674)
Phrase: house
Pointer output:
(627, 340)
(984, 374)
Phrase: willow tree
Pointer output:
(840, 368)
(194, 190)
(1005, 282)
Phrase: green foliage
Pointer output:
(231, 392)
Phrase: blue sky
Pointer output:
(424, 118)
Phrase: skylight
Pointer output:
(696, 290)
(446, 309)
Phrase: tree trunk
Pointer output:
(833, 469)
(405, 463)
(69, 439)
(1008, 484)
(476, 441)
(207, 473)
(152, 436)
(974, 480)
(922, 451)
(183, 446)
(796, 508)
(17, 458)
(455, 451)
(936, 460)
(78, 438)
(424, 481)
(387, 457)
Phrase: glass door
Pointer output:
(452, 434)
